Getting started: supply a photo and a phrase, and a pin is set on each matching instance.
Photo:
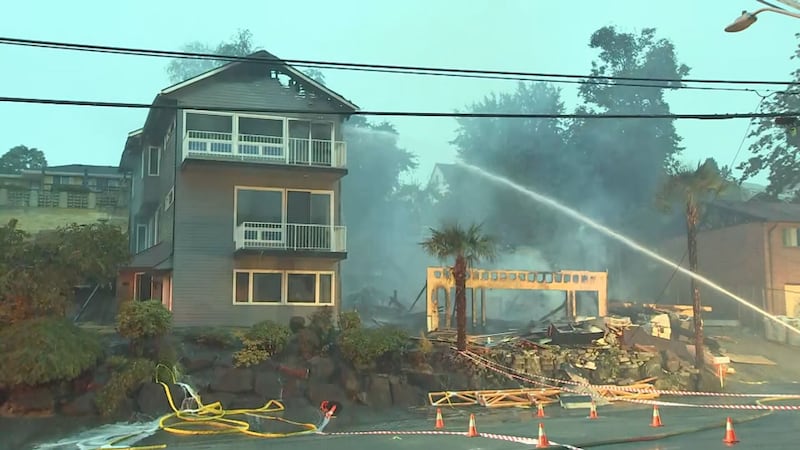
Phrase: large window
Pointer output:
(791, 237)
(267, 206)
(141, 238)
(267, 287)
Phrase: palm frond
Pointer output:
(687, 184)
(453, 240)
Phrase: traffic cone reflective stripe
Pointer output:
(542, 442)
(730, 434)
(472, 431)
(593, 411)
(439, 420)
(540, 410)
(656, 418)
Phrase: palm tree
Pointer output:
(468, 246)
(691, 186)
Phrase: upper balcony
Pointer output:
(262, 139)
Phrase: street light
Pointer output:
(747, 18)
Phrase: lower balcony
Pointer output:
(291, 237)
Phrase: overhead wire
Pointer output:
(209, 108)
(612, 80)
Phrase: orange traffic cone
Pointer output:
(472, 431)
(542, 442)
(540, 410)
(439, 420)
(593, 411)
(656, 418)
(730, 434)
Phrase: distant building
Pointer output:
(751, 249)
(44, 199)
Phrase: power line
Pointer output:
(130, 105)
(412, 70)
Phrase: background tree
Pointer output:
(181, 69)
(691, 187)
(467, 246)
(21, 157)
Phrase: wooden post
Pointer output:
(474, 316)
(448, 315)
(483, 307)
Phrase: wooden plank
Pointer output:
(750, 359)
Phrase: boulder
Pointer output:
(224, 398)
(268, 384)
(318, 392)
(405, 395)
(232, 380)
(30, 401)
(83, 405)
(322, 369)
(192, 365)
(152, 400)
(379, 393)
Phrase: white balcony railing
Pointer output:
(291, 236)
(267, 149)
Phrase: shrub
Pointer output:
(141, 321)
(43, 350)
(297, 323)
(425, 344)
(213, 337)
(261, 341)
(307, 343)
(364, 346)
(322, 324)
(349, 320)
(126, 376)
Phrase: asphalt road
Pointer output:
(567, 427)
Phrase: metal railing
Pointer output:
(291, 236)
(267, 149)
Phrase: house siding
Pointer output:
(734, 258)
(204, 258)
(784, 266)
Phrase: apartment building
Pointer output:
(235, 207)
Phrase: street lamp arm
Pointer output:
(747, 18)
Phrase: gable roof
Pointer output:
(764, 211)
(268, 58)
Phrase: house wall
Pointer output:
(732, 257)
(204, 258)
(783, 266)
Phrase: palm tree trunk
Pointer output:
(460, 275)
(691, 234)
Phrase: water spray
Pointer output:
(545, 200)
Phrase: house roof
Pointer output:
(154, 258)
(76, 169)
(764, 211)
(268, 58)
(449, 173)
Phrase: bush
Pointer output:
(349, 320)
(261, 341)
(322, 324)
(141, 321)
(44, 350)
(364, 346)
(308, 343)
(297, 323)
(213, 338)
(126, 376)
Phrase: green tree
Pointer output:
(467, 246)
(20, 158)
(240, 44)
(37, 274)
(628, 156)
(528, 151)
(690, 187)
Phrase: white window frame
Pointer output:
(284, 287)
(150, 172)
(168, 135)
(284, 200)
(791, 237)
(156, 223)
(236, 116)
(144, 166)
(169, 199)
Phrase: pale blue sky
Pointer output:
(518, 35)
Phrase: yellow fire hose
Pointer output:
(213, 419)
